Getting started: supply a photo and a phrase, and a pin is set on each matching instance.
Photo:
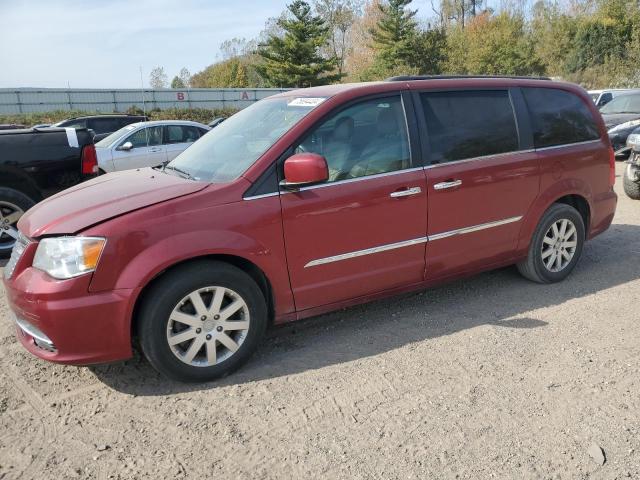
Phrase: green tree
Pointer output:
(177, 82)
(493, 45)
(293, 59)
(230, 73)
(394, 39)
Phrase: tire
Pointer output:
(631, 186)
(543, 246)
(170, 299)
(12, 202)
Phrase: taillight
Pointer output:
(89, 160)
(612, 167)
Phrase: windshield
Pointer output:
(623, 104)
(228, 150)
(113, 137)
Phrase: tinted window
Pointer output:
(181, 134)
(145, 137)
(604, 99)
(104, 125)
(364, 139)
(72, 124)
(558, 117)
(468, 124)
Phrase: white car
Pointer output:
(146, 144)
(602, 97)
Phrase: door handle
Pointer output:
(449, 184)
(155, 150)
(406, 193)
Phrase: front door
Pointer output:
(147, 150)
(364, 230)
(482, 176)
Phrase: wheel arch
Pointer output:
(576, 199)
(255, 272)
(20, 181)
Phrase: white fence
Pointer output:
(27, 100)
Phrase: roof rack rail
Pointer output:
(407, 78)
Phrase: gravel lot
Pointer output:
(492, 377)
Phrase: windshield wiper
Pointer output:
(181, 172)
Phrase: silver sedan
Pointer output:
(146, 144)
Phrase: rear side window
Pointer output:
(468, 124)
(559, 117)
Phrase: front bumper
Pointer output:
(61, 321)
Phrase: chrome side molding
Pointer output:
(367, 251)
(474, 228)
(414, 241)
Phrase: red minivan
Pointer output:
(306, 202)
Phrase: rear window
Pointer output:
(559, 117)
(468, 124)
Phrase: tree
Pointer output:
(394, 39)
(177, 82)
(339, 16)
(230, 73)
(362, 54)
(493, 45)
(293, 59)
(185, 77)
(157, 78)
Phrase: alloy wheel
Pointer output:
(559, 245)
(208, 326)
(10, 213)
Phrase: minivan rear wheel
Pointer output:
(201, 321)
(556, 245)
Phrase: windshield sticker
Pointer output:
(306, 102)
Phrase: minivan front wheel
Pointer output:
(556, 245)
(201, 321)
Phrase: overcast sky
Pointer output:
(103, 44)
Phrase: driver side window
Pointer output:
(145, 137)
(365, 139)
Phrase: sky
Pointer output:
(104, 43)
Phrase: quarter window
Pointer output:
(365, 139)
(468, 124)
(558, 117)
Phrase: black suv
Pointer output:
(102, 125)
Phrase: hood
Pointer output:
(613, 119)
(102, 198)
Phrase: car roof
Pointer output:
(425, 82)
(152, 123)
(105, 115)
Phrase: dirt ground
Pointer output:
(492, 377)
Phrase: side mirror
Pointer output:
(304, 169)
(126, 146)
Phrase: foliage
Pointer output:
(157, 78)
(177, 82)
(232, 73)
(394, 39)
(493, 45)
(293, 59)
(339, 16)
(202, 115)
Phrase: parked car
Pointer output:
(216, 121)
(102, 125)
(602, 97)
(146, 144)
(35, 164)
(631, 178)
(621, 116)
(11, 126)
(306, 202)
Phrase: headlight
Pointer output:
(633, 140)
(67, 257)
(624, 126)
